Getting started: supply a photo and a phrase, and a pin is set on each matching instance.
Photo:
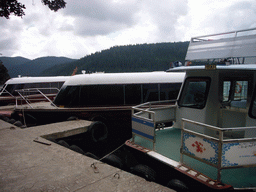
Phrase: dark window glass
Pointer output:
(169, 91)
(102, 95)
(10, 89)
(16, 87)
(150, 92)
(194, 93)
(133, 94)
(68, 96)
(252, 110)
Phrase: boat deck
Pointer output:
(168, 143)
(30, 162)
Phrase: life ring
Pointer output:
(98, 131)
(240, 88)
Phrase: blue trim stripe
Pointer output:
(150, 124)
(143, 134)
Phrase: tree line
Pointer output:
(129, 58)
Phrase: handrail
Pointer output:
(34, 90)
(220, 142)
(218, 34)
(5, 91)
(151, 103)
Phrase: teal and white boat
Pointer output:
(213, 137)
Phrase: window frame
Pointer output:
(185, 88)
(252, 104)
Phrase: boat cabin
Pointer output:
(22, 88)
(213, 136)
(221, 97)
(118, 89)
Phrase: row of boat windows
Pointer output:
(234, 94)
(12, 87)
(195, 93)
(129, 94)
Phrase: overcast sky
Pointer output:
(87, 26)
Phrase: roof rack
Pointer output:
(234, 44)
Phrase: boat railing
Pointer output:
(219, 151)
(3, 90)
(35, 94)
(234, 44)
(148, 117)
(148, 110)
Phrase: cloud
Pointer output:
(85, 27)
(101, 17)
(165, 15)
(209, 17)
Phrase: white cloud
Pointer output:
(85, 27)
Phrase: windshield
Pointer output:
(194, 93)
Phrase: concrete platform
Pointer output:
(26, 165)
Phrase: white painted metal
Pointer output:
(223, 45)
(125, 78)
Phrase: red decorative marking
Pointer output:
(199, 147)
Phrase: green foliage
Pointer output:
(4, 76)
(130, 58)
(11, 6)
(54, 5)
(7, 7)
(26, 67)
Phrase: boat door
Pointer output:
(235, 93)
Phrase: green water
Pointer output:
(168, 142)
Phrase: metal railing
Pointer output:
(149, 109)
(148, 117)
(35, 94)
(3, 90)
(195, 144)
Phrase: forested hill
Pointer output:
(130, 58)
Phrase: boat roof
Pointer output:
(125, 78)
(232, 44)
(20, 80)
(250, 67)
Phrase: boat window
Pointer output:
(133, 94)
(235, 93)
(11, 88)
(68, 96)
(102, 95)
(169, 91)
(194, 93)
(226, 90)
(150, 92)
(252, 110)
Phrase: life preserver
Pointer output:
(240, 88)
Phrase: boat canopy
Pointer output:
(234, 44)
(23, 80)
(125, 78)
(245, 67)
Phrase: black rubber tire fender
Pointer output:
(12, 121)
(18, 124)
(177, 185)
(77, 149)
(98, 131)
(144, 171)
(63, 143)
(88, 154)
(71, 118)
(114, 160)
